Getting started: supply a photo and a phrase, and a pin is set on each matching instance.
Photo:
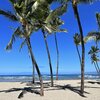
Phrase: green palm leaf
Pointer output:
(17, 33)
(12, 1)
(9, 45)
(98, 19)
(22, 44)
(57, 12)
(93, 50)
(53, 22)
(9, 15)
(77, 38)
(92, 36)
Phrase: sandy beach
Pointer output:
(63, 90)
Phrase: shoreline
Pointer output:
(49, 80)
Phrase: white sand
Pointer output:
(55, 93)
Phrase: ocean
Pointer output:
(28, 78)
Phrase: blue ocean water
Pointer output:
(27, 78)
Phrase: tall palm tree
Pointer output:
(28, 14)
(74, 4)
(53, 23)
(57, 69)
(49, 58)
(76, 13)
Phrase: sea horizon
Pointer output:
(28, 77)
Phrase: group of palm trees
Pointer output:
(34, 15)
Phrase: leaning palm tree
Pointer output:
(57, 69)
(94, 35)
(94, 58)
(27, 13)
(49, 58)
(54, 22)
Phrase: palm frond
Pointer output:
(52, 29)
(85, 1)
(12, 1)
(9, 45)
(92, 36)
(22, 44)
(39, 3)
(77, 38)
(89, 38)
(78, 1)
(17, 34)
(28, 2)
(9, 15)
(57, 12)
(95, 58)
(98, 19)
(93, 50)
(61, 1)
(53, 22)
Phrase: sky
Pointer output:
(15, 62)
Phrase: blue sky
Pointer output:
(19, 62)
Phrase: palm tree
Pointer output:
(57, 57)
(76, 13)
(51, 25)
(49, 58)
(24, 14)
(74, 4)
(94, 35)
(53, 22)
(94, 58)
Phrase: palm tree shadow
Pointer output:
(93, 82)
(69, 87)
(24, 91)
(30, 88)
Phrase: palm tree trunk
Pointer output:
(36, 66)
(33, 77)
(78, 54)
(83, 47)
(49, 58)
(96, 68)
(57, 56)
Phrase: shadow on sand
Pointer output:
(35, 89)
(93, 82)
